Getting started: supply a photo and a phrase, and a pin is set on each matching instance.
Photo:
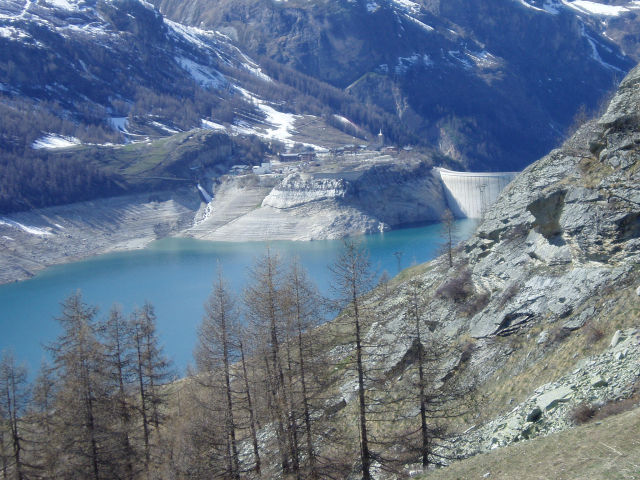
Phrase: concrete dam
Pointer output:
(469, 194)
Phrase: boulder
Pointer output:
(551, 399)
(543, 337)
(617, 337)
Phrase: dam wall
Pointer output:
(469, 194)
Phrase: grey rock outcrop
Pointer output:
(595, 381)
(551, 259)
(298, 189)
(567, 227)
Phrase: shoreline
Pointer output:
(298, 207)
(34, 240)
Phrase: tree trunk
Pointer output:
(252, 424)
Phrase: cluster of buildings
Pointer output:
(297, 160)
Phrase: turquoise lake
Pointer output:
(176, 275)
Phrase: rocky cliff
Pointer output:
(543, 301)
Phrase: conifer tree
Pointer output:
(151, 370)
(448, 222)
(14, 397)
(215, 352)
(42, 416)
(304, 313)
(80, 422)
(250, 405)
(353, 278)
(265, 311)
(116, 334)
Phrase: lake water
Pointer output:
(176, 275)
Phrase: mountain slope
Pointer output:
(493, 84)
(102, 61)
(590, 452)
(541, 309)
(79, 78)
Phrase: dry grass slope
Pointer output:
(607, 450)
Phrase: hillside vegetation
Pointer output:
(504, 344)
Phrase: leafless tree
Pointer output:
(117, 337)
(249, 405)
(264, 308)
(448, 221)
(14, 397)
(440, 392)
(151, 370)
(42, 417)
(215, 352)
(304, 313)
(353, 278)
(76, 359)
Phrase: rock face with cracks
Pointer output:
(551, 269)
(566, 228)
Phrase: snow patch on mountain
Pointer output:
(119, 123)
(209, 125)
(13, 33)
(528, 5)
(594, 8)
(165, 128)
(422, 25)
(405, 63)
(63, 4)
(372, 7)
(461, 57)
(192, 35)
(282, 123)
(595, 54)
(483, 59)
(41, 232)
(52, 141)
(407, 5)
(582, 6)
(205, 76)
(552, 6)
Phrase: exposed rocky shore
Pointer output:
(361, 197)
(31, 241)
(346, 198)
